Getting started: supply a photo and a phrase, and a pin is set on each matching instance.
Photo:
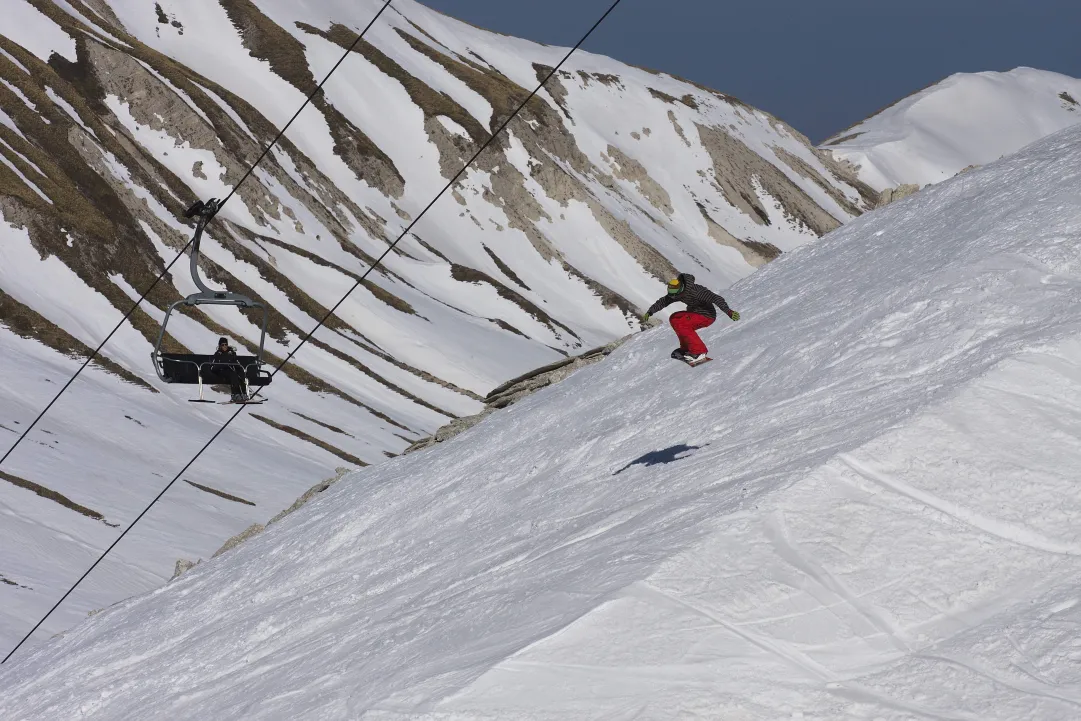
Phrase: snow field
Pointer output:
(41, 35)
(127, 444)
(864, 508)
(926, 574)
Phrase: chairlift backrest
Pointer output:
(191, 368)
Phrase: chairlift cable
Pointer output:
(323, 320)
(94, 354)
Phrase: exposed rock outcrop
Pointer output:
(253, 530)
(892, 195)
(183, 565)
(518, 388)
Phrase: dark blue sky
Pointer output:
(821, 65)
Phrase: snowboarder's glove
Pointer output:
(734, 315)
(645, 318)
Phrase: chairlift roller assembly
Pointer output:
(199, 369)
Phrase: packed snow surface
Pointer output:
(864, 508)
(967, 119)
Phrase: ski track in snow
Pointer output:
(1022, 536)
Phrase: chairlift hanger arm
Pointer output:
(205, 213)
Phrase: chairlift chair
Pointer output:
(199, 369)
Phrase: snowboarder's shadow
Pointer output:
(657, 458)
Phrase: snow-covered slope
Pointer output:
(864, 508)
(117, 114)
(967, 119)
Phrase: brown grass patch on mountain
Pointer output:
(431, 102)
(504, 268)
(420, 30)
(318, 385)
(504, 95)
(690, 101)
(507, 327)
(327, 348)
(463, 274)
(8, 582)
(219, 494)
(297, 296)
(321, 423)
(430, 248)
(663, 96)
(769, 251)
(51, 495)
(609, 298)
(88, 209)
(755, 253)
(27, 323)
(423, 375)
(845, 172)
(266, 40)
(297, 433)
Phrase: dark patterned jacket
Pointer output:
(699, 300)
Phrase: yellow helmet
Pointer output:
(675, 286)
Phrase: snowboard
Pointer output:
(679, 356)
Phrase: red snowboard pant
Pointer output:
(686, 325)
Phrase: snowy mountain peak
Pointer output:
(967, 119)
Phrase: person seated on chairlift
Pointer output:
(227, 366)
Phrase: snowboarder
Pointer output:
(700, 314)
(227, 366)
